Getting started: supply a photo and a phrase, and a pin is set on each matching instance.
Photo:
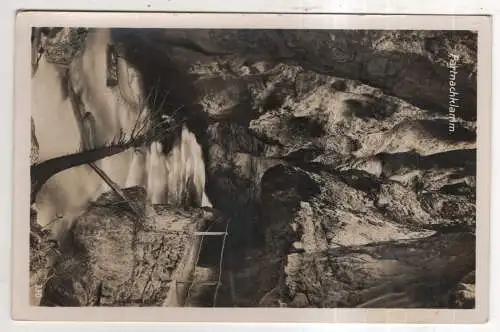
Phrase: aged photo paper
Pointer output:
(251, 168)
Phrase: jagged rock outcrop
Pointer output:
(361, 119)
(310, 94)
(408, 64)
(463, 295)
(417, 273)
(339, 248)
(43, 252)
(112, 257)
(62, 45)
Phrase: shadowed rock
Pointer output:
(417, 273)
(411, 65)
(111, 258)
(332, 245)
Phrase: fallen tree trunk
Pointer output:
(43, 171)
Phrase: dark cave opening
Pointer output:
(171, 83)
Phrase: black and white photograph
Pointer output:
(253, 167)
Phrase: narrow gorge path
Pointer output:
(208, 276)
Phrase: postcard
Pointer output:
(181, 167)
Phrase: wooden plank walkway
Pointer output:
(206, 283)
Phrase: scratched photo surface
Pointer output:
(253, 168)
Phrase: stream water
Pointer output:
(169, 178)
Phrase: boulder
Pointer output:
(417, 273)
(112, 257)
(336, 246)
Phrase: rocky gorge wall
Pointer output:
(329, 152)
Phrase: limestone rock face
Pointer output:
(319, 143)
(463, 295)
(415, 273)
(328, 241)
(339, 248)
(114, 258)
(408, 64)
